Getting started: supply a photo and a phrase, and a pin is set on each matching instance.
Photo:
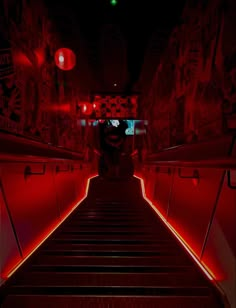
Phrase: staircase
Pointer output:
(113, 251)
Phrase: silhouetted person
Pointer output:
(112, 138)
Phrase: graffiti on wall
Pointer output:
(10, 98)
(20, 87)
(37, 100)
(202, 53)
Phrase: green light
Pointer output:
(113, 2)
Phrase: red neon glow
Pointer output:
(135, 152)
(206, 270)
(87, 108)
(65, 59)
(62, 107)
(133, 100)
(40, 56)
(9, 272)
(21, 59)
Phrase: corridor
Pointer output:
(117, 154)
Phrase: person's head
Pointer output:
(113, 131)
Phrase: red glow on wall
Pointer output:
(8, 272)
(64, 107)
(40, 56)
(65, 59)
(134, 100)
(57, 108)
(21, 59)
(212, 274)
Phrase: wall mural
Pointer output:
(208, 93)
(35, 98)
(23, 44)
(10, 98)
(197, 68)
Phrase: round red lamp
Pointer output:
(86, 108)
(65, 59)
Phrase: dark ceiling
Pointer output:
(137, 20)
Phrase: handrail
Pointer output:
(11, 144)
(195, 174)
(187, 145)
(80, 167)
(58, 169)
(17, 158)
(221, 163)
(168, 171)
(28, 172)
(225, 163)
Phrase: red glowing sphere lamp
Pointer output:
(65, 59)
(87, 108)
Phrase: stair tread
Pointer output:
(63, 301)
(110, 252)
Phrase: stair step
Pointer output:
(115, 291)
(102, 233)
(100, 223)
(104, 236)
(62, 301)
(114, 253)
(111, 269)
(111, 279)
(105, 241)
(108, 229)
(110, 254)
(105, 260)
(111, 247)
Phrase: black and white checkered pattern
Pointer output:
(116, 107)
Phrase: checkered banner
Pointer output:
(109, 106)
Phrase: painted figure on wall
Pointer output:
(229, 92)
(10, 98)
